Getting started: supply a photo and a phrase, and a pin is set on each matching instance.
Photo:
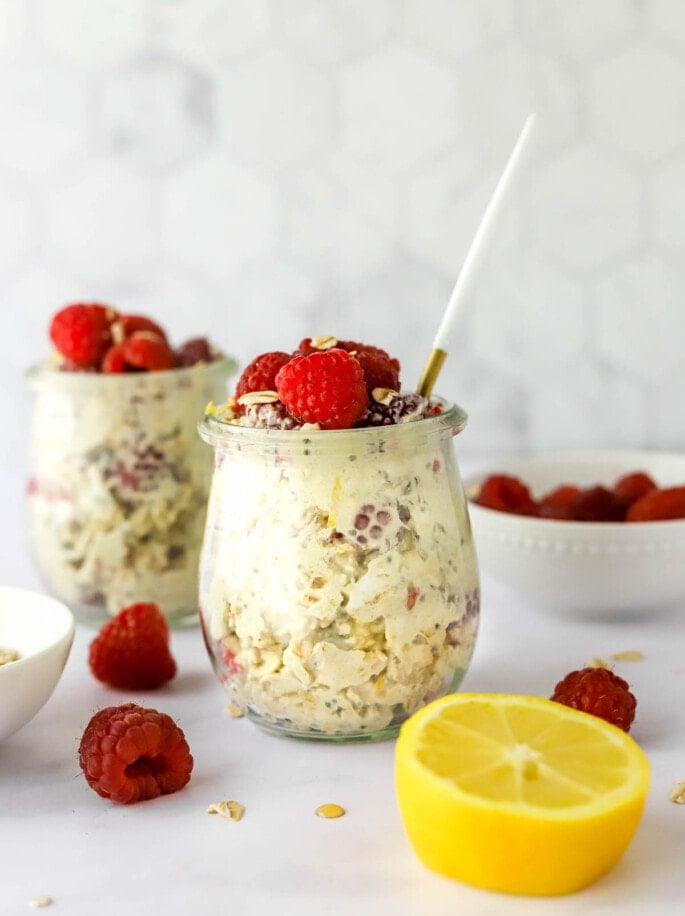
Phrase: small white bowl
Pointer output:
(586, 567)
(41, 630)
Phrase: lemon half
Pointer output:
(518, 794)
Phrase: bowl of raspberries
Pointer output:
(584, 531)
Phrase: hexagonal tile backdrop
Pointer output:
(265, 169)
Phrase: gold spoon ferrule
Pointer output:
(431, 371)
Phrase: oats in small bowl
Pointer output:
(39, 631)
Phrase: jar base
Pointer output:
(93, 616)
(319, 737)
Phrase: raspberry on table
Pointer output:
(130, 754)
(598, 691)
(145, 350)
(658, 505)
(326, 387)
(82, 333)
(260, 374)
(131, 651)
(506, 494)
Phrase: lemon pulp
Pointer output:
(518, 793)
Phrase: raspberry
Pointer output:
(326, 387)
(380, 369)
(260, 374)
(194, 351)
(658, 505)
(144, 350)
(631, 487)
(131, 651)
(82, 333)
(129, 754)
(600, 692)
(129, 324)
(114, 360)
(506, 494)
(558, 503)
(597, 504)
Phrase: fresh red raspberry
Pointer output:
(380, 369)
(598, 504)
(260, 374)
(126, 325)
(506, 494)
(558, 503)
(326, 387)
(600, 692)
(194, 351)
(631, 487)
(114, 360)
(82, 333)
(658, 505)
(144, 350)
(131, 651)
(129, 754)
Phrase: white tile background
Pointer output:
(264, 169)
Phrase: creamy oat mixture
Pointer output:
(339, 587)
(119, 482)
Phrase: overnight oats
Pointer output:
(118, 482)
(338, 579)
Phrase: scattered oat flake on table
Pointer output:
(40, 901)
(234, 711)
(231, 810)
(329, 811)
(678, 793)
(630, 655)
(8, 655)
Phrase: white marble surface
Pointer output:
(267, 170)
(168, 856)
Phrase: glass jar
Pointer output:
(338, 577)
(118, 486)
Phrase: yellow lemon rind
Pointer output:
(510, 847)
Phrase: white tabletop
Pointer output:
(169, 856)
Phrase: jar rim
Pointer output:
(44, 373)
(215, 431)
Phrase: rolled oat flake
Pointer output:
(330, 811)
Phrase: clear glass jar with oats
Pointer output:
(118, 486)
(338, 578)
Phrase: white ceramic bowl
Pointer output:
(41, 630)
(589, 567)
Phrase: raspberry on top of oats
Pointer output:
(327, 387)
(90, 337)
(324, 383)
